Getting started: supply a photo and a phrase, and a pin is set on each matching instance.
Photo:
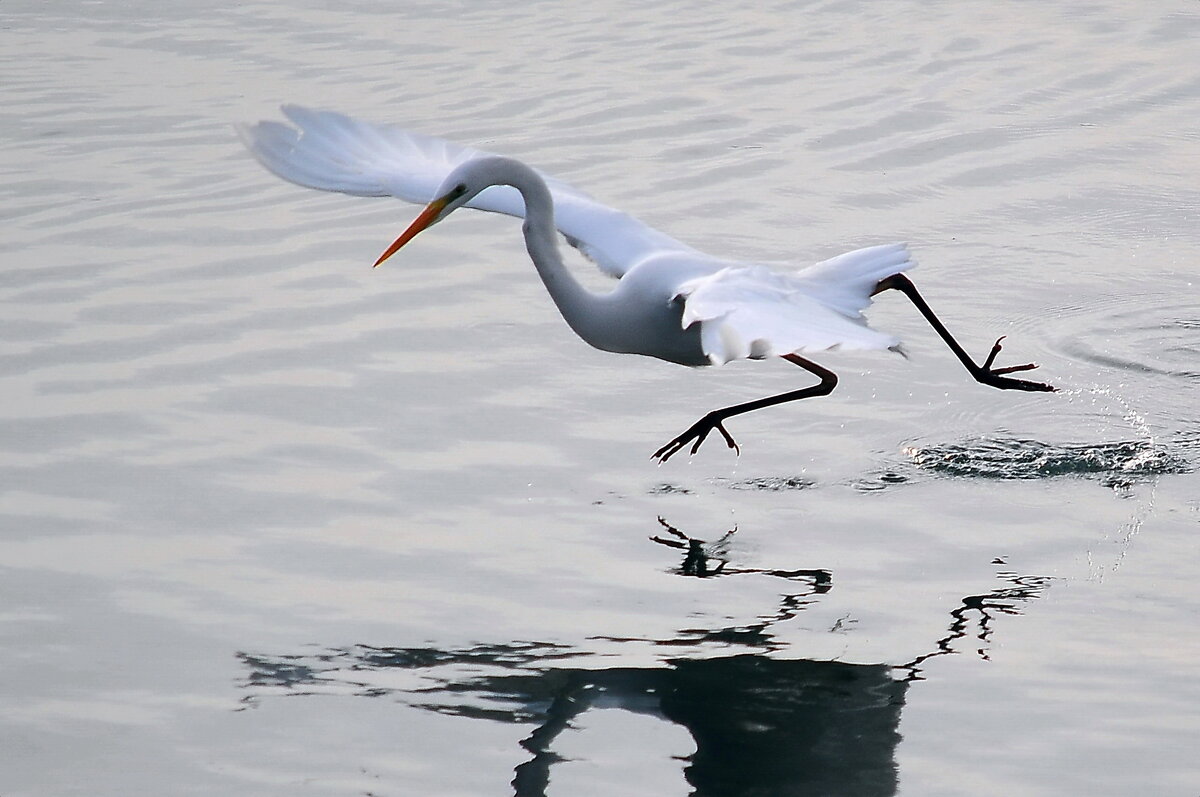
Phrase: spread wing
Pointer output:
(332, 152)
(755, 312)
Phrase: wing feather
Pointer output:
(332, 152)
(752, 312)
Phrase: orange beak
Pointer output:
(427, 217)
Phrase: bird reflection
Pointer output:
(699, 557)
(762, 724)
(982, 608)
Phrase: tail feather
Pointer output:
(845, 283)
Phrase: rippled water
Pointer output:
(275, 523)
(1001, 458)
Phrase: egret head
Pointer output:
(459, 188)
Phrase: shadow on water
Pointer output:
(762, 723)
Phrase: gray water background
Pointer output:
(274, 523)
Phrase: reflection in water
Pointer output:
(982, 609)
(762, 724)
(699, 557)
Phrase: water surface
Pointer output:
(276, 522)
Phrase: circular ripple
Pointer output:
(1146, 334)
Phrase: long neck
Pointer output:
(579, 307)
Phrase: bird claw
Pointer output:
(991, 358)
(1010, 369)
(992, 376)
(698, 432)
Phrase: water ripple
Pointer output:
(1153, 334)
(1016, 458)
(773, 484)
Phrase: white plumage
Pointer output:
(753, 312)
(745, 311)
(671, 301)
(332, 152)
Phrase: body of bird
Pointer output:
(670, 302)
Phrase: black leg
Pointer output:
(984, 374)
(713, 420)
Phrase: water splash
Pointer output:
(1116, 463)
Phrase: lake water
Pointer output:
(274, 523)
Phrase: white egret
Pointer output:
(670, 302)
